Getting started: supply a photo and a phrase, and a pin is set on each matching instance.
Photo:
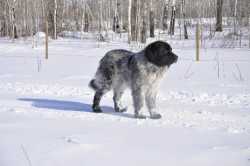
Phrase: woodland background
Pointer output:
(138, 18)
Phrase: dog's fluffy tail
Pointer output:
(93, 85)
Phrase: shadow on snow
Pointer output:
(63, 105)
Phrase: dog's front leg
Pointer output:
(138, 100)
(151, 103)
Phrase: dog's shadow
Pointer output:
(63, 105)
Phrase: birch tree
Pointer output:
(184, 19)
(144, 24)
(12, 15)
(133, 20)
(86, 19)
(165, 15)
(129, 20)
(172, 20)
(55, 20)
(235, 16)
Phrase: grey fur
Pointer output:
(141, 72)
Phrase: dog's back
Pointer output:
(113, 69)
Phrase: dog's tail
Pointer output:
(93, 85)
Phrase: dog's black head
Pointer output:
(160, 54)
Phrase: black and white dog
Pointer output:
(141, 72)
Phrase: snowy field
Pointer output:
(46, 118)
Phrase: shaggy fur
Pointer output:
(141, 72)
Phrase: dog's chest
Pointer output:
(152, 74)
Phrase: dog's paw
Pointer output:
(97, 110)
(140, 116)
(121, 109)
(155, 116)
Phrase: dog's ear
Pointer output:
(151, 52)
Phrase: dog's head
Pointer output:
(160, 54)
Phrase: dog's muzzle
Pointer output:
(175, 57)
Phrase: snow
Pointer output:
(46, 118)
(40, 35)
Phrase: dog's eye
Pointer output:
(167, 52)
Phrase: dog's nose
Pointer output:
(176, 58)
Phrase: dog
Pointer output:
(141, 72)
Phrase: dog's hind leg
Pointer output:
(96, 103)
(101, 84)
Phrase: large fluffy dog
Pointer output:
(141, 72)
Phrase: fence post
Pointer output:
(46, 38)
(197, 39)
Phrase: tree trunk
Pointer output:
(46, 27)
(101, 37)
(235, 16)
(144, 24)
(117, 16)
(247, 12)
(46, 39)
(248, 26)
(14, 24)
(86, 21)
(55, 21)
(184, 20)
(152, 26)
(172, 21)
(165, 16)
(133, 20)
(5, 26)
(151, 21)
(12, 18)
(218, 27)
(197, 41)
(185, 31)
(129, 20)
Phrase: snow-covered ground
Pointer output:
(46, 118)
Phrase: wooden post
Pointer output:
(249, 27)
(46, 38)
(197, 39)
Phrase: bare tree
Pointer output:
(219, 16)
(165, 15)
(86, 19)
(11, 6)
(184, 19)
(235, 16)
(151, 20)
(46, 27)
(144, 24)
(55, 20)
(248, 25)
(4, 24)
(129, 20)
(117, 17)
(133, 20)
(172, 20)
